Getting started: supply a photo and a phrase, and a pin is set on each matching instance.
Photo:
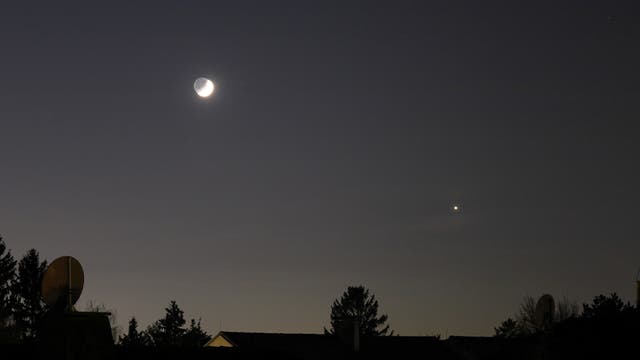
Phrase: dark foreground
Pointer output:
(454, 348)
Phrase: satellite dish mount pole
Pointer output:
(69, 306)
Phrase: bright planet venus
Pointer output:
(203, 87)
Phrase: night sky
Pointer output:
(338, 139)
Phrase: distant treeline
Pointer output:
(605, 328)
(22, 309)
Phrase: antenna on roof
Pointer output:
(638, 290)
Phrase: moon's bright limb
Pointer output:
(203, 87)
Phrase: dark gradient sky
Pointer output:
(339, 135)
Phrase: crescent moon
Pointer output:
(203, 87)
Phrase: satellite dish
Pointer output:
(62, 283)
(545, 310)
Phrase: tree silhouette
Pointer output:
(566, 310)
(357, 306)
(604, 307)
(509, 329)
(29, 306)
(7, 300)
(170, 331)
(526, 316)
(608, 328)
(133, 338)
(195, 336)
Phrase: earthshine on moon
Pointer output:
(203, 87)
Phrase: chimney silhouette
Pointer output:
(349, 333)
(356, 335)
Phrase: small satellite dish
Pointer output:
(62, 283)
(545, 310)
